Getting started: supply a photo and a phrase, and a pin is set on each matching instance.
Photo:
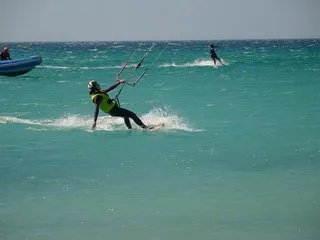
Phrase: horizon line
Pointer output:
(191, 40)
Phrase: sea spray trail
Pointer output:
(172, 122)
(196, 63)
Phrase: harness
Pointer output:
(106, 104)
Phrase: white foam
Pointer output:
(171, 121)
(53, 67)
(8, 119)
(197, 63)
(105, 123)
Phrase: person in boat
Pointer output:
(213, 54)
(106, 104)
(5, 55)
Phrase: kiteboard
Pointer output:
(156, 127)
(217, 64)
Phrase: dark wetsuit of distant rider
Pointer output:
(213, 54)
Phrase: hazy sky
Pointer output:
(109, 20)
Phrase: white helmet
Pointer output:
(93, 86)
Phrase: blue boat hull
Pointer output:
(18, 66)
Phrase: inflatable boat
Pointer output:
(18, 66)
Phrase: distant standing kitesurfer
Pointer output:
(213, 54)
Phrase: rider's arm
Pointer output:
(111, 88)
(97, 100)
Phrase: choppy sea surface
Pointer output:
(238, 157)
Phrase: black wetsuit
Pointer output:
(213, 54)
(117, 111)
(5, 56)
(126, 114)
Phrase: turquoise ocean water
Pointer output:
(238, 158)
